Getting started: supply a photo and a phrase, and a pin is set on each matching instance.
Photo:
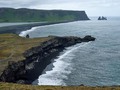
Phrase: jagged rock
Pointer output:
(99, 18)
(21, 82)
(37, 58)
(56, 42)
(14, 72)
(102, 18)
(88, 38)
(27, 36)
(82, 85)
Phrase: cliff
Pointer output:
(13, 46)
(32, 15)
(37, 58)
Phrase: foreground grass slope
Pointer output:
(10, 86)
(11, 49)
(13, 46)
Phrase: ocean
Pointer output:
(94, 63)
(11, 24)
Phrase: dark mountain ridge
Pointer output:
(35, 15)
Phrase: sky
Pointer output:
(92, 7)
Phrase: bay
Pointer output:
(94, 64)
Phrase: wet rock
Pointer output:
(88, 38)
(37, 58)
(82, 85)
(14, 72)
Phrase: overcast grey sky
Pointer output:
(92, 7)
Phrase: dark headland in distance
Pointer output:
(35, 15)
(45, 17)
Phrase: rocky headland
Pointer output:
(37, 58)
(40, 17)
(36, 15)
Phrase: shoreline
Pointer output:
(49, 66)
(38, 58)
(17, 29)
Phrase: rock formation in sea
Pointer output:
(37, 58)
(102, 18)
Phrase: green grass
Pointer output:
(32, 15)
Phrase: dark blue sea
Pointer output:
(94, 63)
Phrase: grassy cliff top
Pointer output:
(10, 86)
(33, 15)
(11, 49)
(13, 46)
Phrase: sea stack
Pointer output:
(102, 18)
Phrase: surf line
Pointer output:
(24, 33)
(61, 67)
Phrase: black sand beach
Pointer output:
(16, 29)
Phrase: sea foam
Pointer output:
(62, 67)
(24, 33)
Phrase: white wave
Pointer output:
(62, 67)
(24, 33)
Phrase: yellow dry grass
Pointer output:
(13, 46)
(10, 86)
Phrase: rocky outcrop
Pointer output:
(88, 38)
(37, 58)
(14, 72)
(102, 18)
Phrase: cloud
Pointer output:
(44, 2)
(87, 5)
(30, 3)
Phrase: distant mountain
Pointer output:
(33, 15)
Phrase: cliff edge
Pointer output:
(33, 15)
(36, 58)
